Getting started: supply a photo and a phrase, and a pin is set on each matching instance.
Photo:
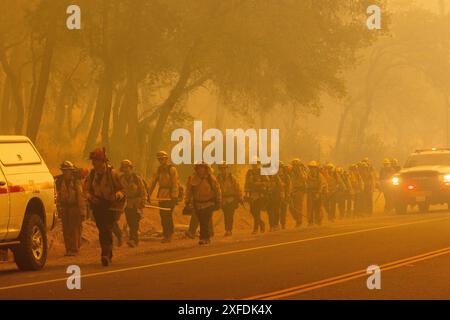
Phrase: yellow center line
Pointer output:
(346, 277)
(225, 253)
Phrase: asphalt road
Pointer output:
(328, 262)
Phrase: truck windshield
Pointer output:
(436, 159)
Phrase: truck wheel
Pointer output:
(31, 253)
(400, 208)
(424, 207)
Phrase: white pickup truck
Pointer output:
(27, 202)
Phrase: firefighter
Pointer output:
(342, 190)
(136, 194)
(106, 197)
(385, 176)
(166, 177)
(286, 192)
(335, 188)
(231, 196)
(315, 188)
(395, 165)
(203, 194)
(256, 193)
(298, 185)
(369, 185)
(275, 195)
(71, 203)
(357, 189)
(349, 194)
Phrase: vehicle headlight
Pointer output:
(447, 178)
(396, 181)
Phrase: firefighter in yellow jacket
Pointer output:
(71, 204)
(166, 177)
(256, 187)
(286, 192)
(203, 194)
(357, 189)
(316, 187)
(231, 196)
(335, 188)
(106, 197)
(298, 188)
(136, 196)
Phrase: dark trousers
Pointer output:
(205, 219)
(167, 218)
(133, 217)
(283, 212)
(256, 208)
(273, 210)
(387, 201)
(340, 200)
(194, 223)
(331, 206)
(72, 226)
(368, 202)
(358, 205)
(116, 229)
(228, 216)
(349, 205)
(105, 219)
(313, 203)
(296, 206)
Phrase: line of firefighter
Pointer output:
(109, 193)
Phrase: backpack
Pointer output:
(179, 186)
(211, 185)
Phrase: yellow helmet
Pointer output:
(386, 161)
(313, 164)
(162, 155)
(329, 165)
(67, 165)
(296, 162)
(363, 164)
(126, 164)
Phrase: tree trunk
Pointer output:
(132, 106)
(119, 123)
(165, 110)
(39, 101)
(86, 119)
(5, 118)
(342, 121)
(104, 97)
(15, 89)
(107, 115)
(60, 112)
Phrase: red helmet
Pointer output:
(98, 154)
